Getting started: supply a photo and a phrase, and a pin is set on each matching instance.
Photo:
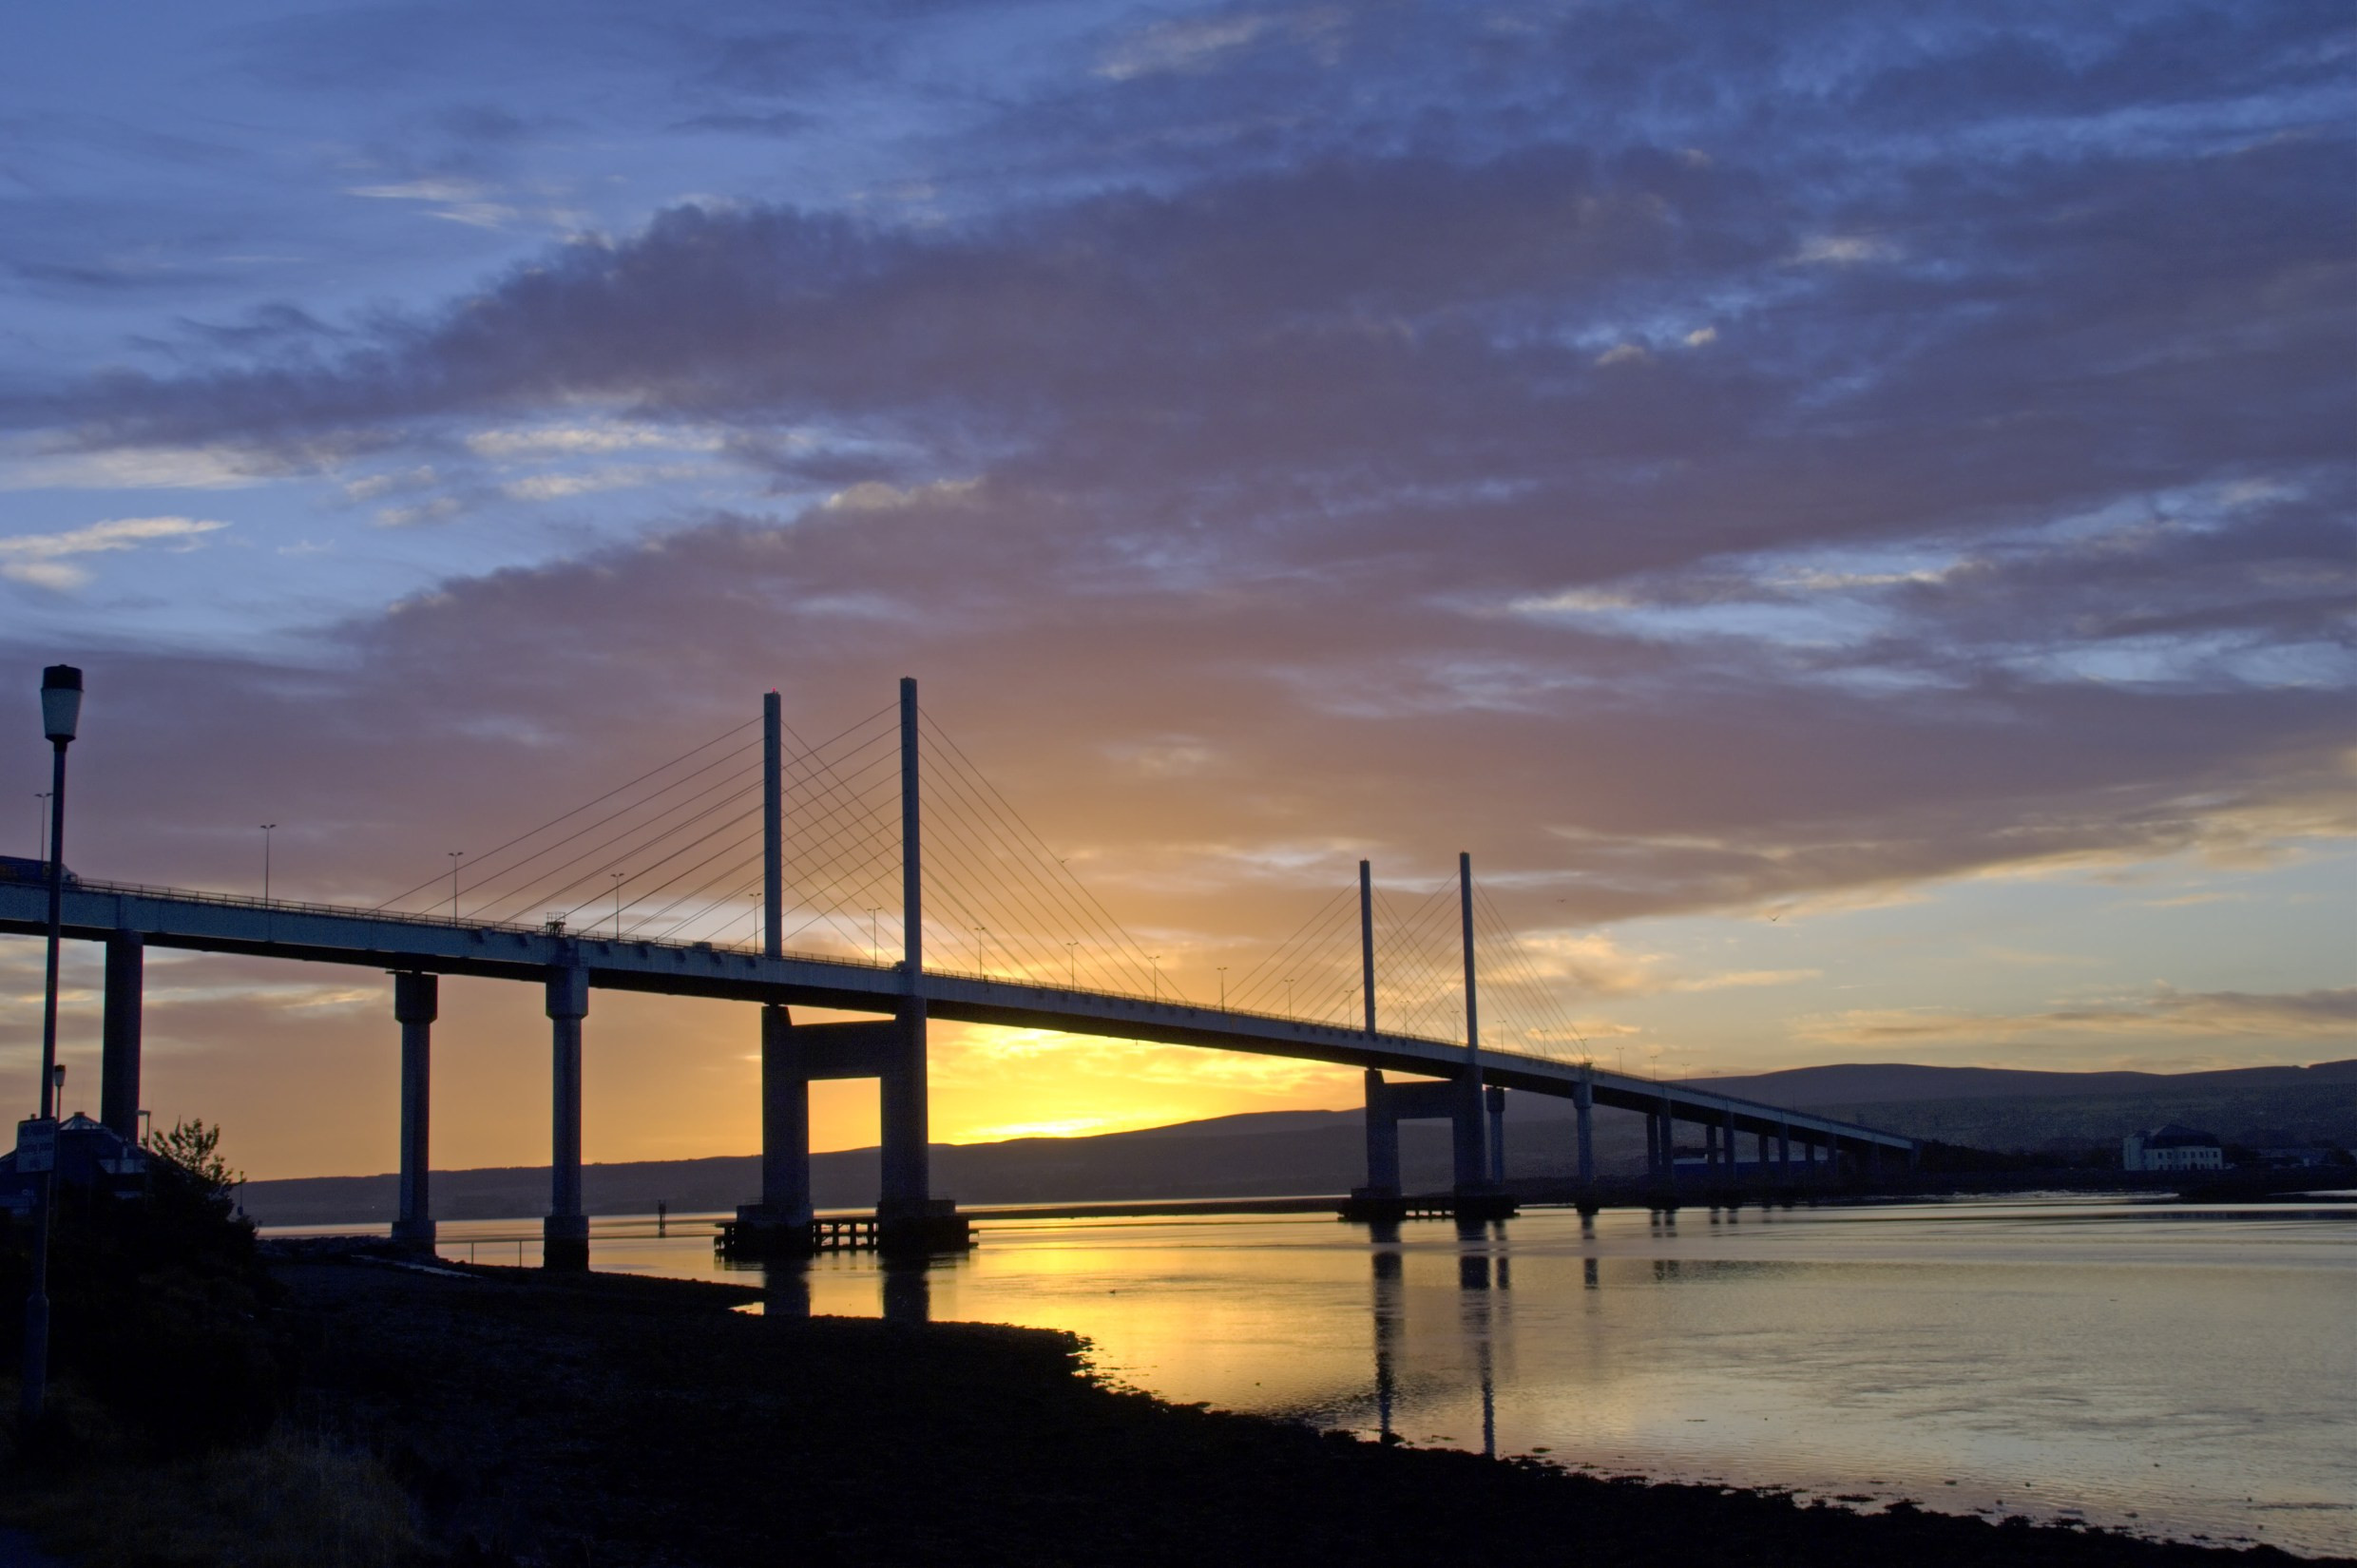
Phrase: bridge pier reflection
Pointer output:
(1390, 1315)
(908, 1287)
(786, 1288)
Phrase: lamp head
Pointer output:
(60, 701)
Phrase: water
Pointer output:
(2179, 1371)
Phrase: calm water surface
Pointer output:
(2184, 1371)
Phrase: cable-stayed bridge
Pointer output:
(760, 868)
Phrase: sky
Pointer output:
(1843, 511)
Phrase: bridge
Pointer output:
(1461, 1080)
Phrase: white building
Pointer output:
(2170, 1148)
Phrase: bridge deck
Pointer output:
(377, 939)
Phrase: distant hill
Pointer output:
(1884, 1084)
(1281, 1153)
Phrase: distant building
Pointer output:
(2171, 1148)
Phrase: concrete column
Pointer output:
(772, 830)
(1653, 1144)
(906, 1159)
(1470, 1163)
(416, 1002)
(1710, 1146)
(117, 1080)
(1784, 1151)
(1383, 1156)
(565, 1234)
(1383, 1161)
(1367, 941)
(785, 1123)
(907, 1177)
(1496, 1136)
(1727, 1141)
(1583, 1104)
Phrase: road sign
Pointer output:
(36, 1145)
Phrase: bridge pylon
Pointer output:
(893, 1051)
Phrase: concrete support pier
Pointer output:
(1495, 1099)
(785, 1122)
(117, 1080)
(1383, 1156)
(565, 1234)
(416, 1002)
(1583, 1108)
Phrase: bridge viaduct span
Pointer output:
(1463, 1084)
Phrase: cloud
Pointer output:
(46, 559)
(1295, 434)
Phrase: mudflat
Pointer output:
(612, 1420)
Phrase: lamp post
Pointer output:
(266, 827)
(1072, 964)
(41, 817)
(61, 713)
(618, 881)
(1223, 988)
(456, 855)
(1158, 975)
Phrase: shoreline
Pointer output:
(2171, 1192)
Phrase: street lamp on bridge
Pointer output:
(266, 827)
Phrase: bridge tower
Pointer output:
(1458, 1101)
(781, 1222)
(893, 1051)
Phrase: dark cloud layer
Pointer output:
(1701, 465)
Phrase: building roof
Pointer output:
(2176, 1136)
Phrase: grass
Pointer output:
(294, 1500)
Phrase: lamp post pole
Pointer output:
(60, 712)
(456, 855)
(266, 827)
